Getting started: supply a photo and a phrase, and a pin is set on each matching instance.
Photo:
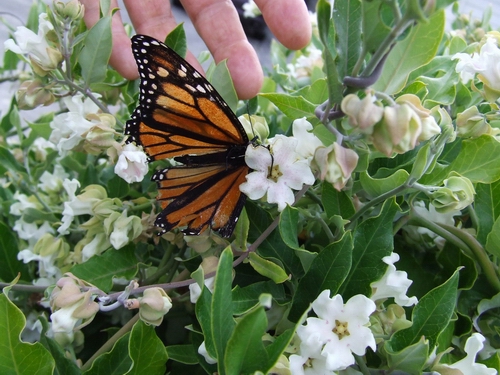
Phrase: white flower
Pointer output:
(277, 171)
(132, 164)
(250, 9)
(486, 63)
(338, 331)
(307, 141)
(305, 63)
(68, 128)
(52, 182)
(202, 350)
(467, 365)
(309, 366)
(393, 284)
(41, 146)
(23, 203)
(98, 244)
(68, 213)
(35, 45)
(195, 290)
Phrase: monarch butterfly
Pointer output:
(180, 115)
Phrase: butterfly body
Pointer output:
(180, 115)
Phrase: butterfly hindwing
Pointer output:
(181, 116)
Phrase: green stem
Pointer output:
(479, 253)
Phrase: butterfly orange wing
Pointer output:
(181, 115)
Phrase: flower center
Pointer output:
(273, 173)
(341, 329)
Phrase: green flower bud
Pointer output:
(255, 126)
(154, 304)
(48, 245)
(457, 193)
(471, 123)
(72, 9)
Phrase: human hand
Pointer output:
(218, 24)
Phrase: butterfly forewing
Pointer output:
(178, 104)
(181, 115)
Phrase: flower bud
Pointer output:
(122, 229)
(72, 308)
(363, 113)
(336, 164)
(398, 131)
(153, 305)
(430, 127)
(48, 245)
(51, 60)
(32, 94)
(457, 193)
(471, 123)
(72, 9)
(255, 126)
(100, 136)
(388, 321)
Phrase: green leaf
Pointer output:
(373, 240)
(9, 249)
(347, 17)
(376, 187)
(220, 78)
(204, 315)
(328, 270)
(293, 106)
(245, 351)
(268, 269)
(64, 365)
(247, 297)
(273, 246)
(96, 52)
(493, 239)
(411, 359)
(18, 357)
(288, 226)
(100, 270)
(146, 350)
(183, 354)
(374, 30)
(413, 52)
(326, 30)
(9, 163)
(336, 202)
(487, 207)
(430, 316)
(479, 160)
(176, 40)
(222, 314)
(115, 362)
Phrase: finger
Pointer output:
(288, 20)
(218, 24)
(155, 18)
(121, 55)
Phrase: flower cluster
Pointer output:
(327, 343)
